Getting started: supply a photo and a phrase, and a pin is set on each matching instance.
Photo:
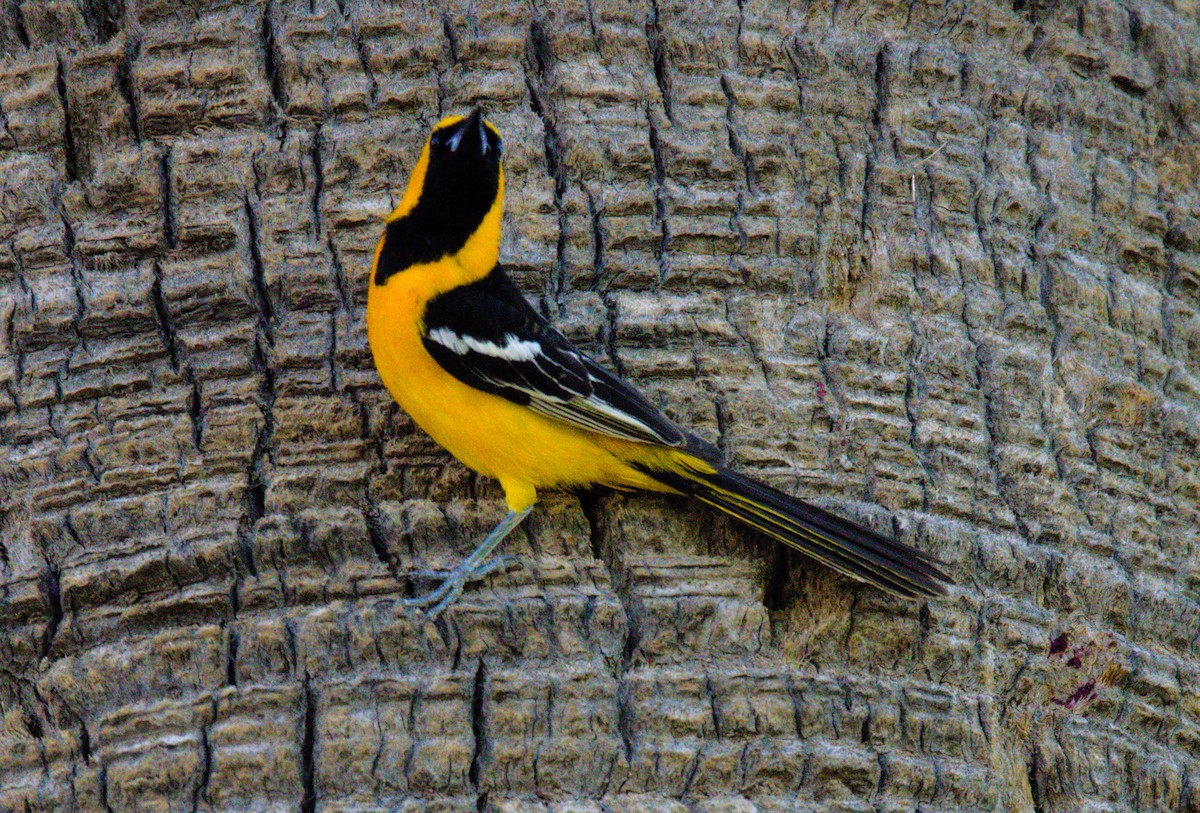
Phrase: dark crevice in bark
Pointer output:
(594, 215)
(102, 780)
(76, 270)
(33, 724)
(914, 395)
(597, 43)
(364, 61)
(308, 745)
(538, 64)
(18, 18)
(876, 137)
(14, 342)
(200, 792)
(779, 573)
(231, 653)
(4, 127)
(69, 527)
(589, 503)
(658, 56)
(85, 743)
(339, 285)
(982, 365)
(256, 479)
(163, 317)
(164, 174)
(735, 220)
(450, 49)
(1033, 774)
(52, 589)
(332, 352)
(714, 707)
(266, 310)
(625, 721)
(913, 391)
(735, 143)
(751, 344)
(610, 333)
(722, 426)
(256, 476)
(102, 17)
(660, 198)
(339, 273)
(128, 88)
(71, 159)
(195, 411)
(481, 757)
(318, 179)
(89, 462)
(451, 39)
(604, 548)
(271, 59)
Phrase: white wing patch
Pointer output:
(513, 349)
(579, 408)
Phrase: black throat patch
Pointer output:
(460, 188)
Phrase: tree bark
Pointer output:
(935, 266)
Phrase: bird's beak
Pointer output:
(470, 128)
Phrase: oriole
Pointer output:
(489, 379)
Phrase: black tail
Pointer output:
(839, 543)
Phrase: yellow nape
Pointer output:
(416, 182)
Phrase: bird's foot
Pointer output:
(453, 582)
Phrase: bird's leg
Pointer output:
(472, 568)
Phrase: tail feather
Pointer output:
(849, 548)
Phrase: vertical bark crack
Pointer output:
(318, 178)
(71, 159)
(660, 198)
(308, 745)
(52, 593)
(538, 82)
(277, 110)
(128, 88)
(481, 757)
(658, 57)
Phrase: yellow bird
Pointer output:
(493, 382)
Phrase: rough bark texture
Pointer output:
(934, 264)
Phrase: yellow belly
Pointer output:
(495, 437)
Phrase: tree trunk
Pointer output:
(936, 266)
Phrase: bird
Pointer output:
(490, 379)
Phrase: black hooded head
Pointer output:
(460, 179)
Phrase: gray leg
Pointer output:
(473, 567)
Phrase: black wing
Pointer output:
(486, 335)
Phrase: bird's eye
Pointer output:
(437, 139)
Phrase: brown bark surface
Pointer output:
(935, 265)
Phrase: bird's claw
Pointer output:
(453, 582)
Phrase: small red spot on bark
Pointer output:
(1086, 691)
